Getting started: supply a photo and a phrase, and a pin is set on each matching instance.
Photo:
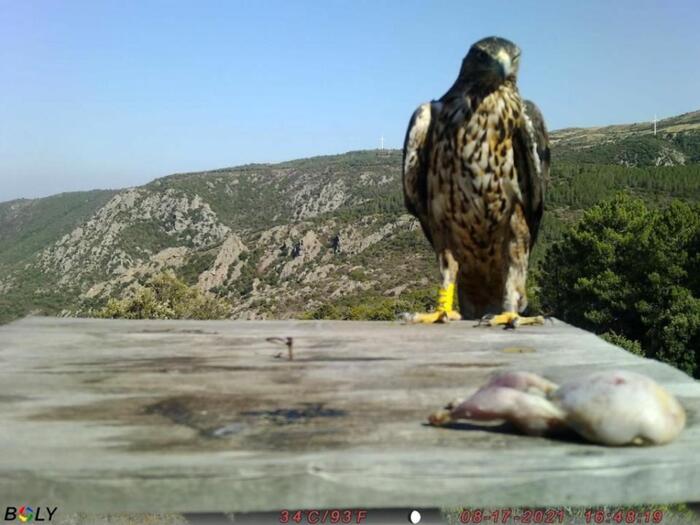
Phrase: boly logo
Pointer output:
(25, 513)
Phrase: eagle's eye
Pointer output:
(481, 54)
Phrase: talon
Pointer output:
(406, 317)
(433, 317)
(538, 319)
(510, 320)
(453, 315)
(485, 320)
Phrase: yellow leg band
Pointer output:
(446, 298)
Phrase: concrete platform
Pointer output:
(203, 416)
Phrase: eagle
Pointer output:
(474, 167)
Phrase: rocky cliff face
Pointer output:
(103, 246)
(276, 241)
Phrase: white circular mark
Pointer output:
(414, 517)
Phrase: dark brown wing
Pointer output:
(531, 155)
(416, 159)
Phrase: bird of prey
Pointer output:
(474, 166)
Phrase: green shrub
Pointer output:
(633, 347)
(166, 297)
(370, 306)
(631, 270)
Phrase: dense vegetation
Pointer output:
(373, 306)
(632, 272)
(164, 296)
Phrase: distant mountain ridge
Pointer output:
(281, 240)
(677, 141)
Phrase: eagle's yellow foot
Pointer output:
(434, 317)
(444, 313)
(510, 320)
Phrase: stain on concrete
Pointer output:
(286, 416)
(341, 359)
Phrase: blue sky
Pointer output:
(107, 94)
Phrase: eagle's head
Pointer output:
(492, 61)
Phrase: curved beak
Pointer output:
(506, 66)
